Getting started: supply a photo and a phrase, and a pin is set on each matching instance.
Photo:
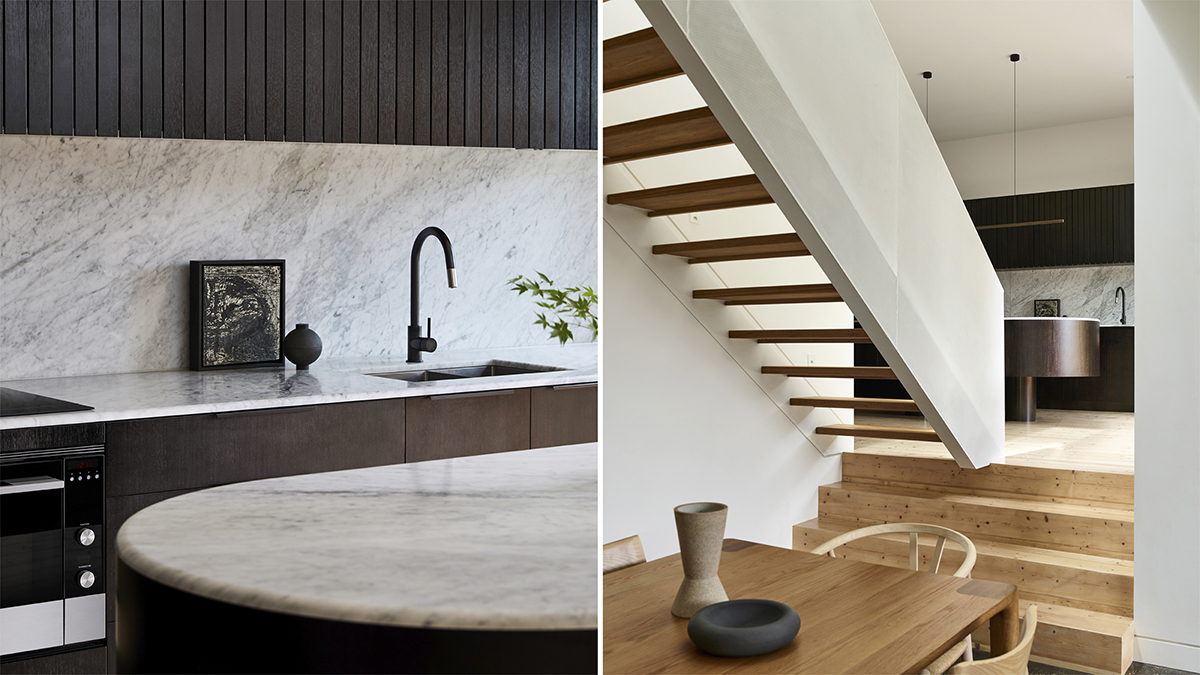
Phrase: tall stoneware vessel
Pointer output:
(701, 528)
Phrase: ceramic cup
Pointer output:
(701, 528)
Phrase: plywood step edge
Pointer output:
(804, 336)
(1072, 510)
(871, 431)
(857, 403)
(983, 492)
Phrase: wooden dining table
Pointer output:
(855, 617)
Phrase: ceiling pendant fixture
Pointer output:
(1014, 58)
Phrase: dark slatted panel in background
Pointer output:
(476, 73)
(1098, 228)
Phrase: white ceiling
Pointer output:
(1076, 61)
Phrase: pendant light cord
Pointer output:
(1014, 58)
(927, 75)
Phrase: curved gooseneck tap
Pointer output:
(416, 343)
(1121, 294)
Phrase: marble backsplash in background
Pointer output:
(96, 235)
(1088, 292)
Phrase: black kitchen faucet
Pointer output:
(416, 343)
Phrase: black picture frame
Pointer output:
(236, 314)
(1046, 307)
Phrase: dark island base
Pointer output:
(163, 630)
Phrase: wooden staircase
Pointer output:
(639, 58)
(1064, 538)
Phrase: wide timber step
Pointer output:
(663, 135)
(870, 431)
(1063, 527)
(637, 58)
(804, 336)
(770, 295)
(738, 248)
(1076, 639)
(857, 403)
(1089, 488)
(1079, 580)
(851, 372)
(706, 195)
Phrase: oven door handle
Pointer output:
(17, 485)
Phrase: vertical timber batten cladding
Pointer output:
(1098, 228)
(475, 73)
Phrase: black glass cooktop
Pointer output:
(13, 403)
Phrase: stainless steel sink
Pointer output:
(464, 372)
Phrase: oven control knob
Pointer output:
(86, 579)
(85, 536)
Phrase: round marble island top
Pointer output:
(492, 542)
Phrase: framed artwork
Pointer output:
(1045, 307)
(236, 314)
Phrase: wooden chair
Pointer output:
(913, 530)
(624, 553)
(1014, 662)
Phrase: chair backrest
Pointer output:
(914, 555)
(1013, 662)
(624, 553)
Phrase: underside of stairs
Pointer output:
(1064, 538)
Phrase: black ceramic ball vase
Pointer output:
(302, 346)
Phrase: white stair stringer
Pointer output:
(813, 97)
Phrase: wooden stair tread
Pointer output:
(738, 248)
(637, 58)
(707, 195)
(1121, 515)
(804, 336)
(857, 403)
(1076, 639)
(1090, 488)
(853, 372)
(870, 431)
(770, 295)
(663, 135)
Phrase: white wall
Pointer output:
(96, 235)
(1166, 602)
(1089, 154)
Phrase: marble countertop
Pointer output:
(504, 541)
(184, 392)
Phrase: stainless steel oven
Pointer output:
(52, 595)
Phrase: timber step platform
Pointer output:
(857, 403)
(851, 372)
(637, 58)
(737, 248)
(705, 195)
(770, 295)
(804, 336)
(1063, 527)
(663, 135)
(1076, 639)
(870, 431)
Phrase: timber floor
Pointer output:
(1059, 439)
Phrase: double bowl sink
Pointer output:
(465, 372)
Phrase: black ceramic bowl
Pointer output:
(743, 627)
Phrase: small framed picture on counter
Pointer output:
(236, 314)
(1045, 307)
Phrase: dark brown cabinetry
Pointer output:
(563, 415)
(1112, 390)
(458, 425)
(82, 662)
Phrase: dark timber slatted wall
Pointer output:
(1098, 228)
(476, 73)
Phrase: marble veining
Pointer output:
(96, 235)
(504, 541)
(1088, 292)
(182, 392)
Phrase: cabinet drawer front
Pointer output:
(196, 451)
(563, 415)
(442, 427)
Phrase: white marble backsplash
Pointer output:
(1086, 292)
(96, 235)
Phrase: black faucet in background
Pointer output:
(1121, 294)
(416, 343)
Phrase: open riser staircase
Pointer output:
(1064, 538)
